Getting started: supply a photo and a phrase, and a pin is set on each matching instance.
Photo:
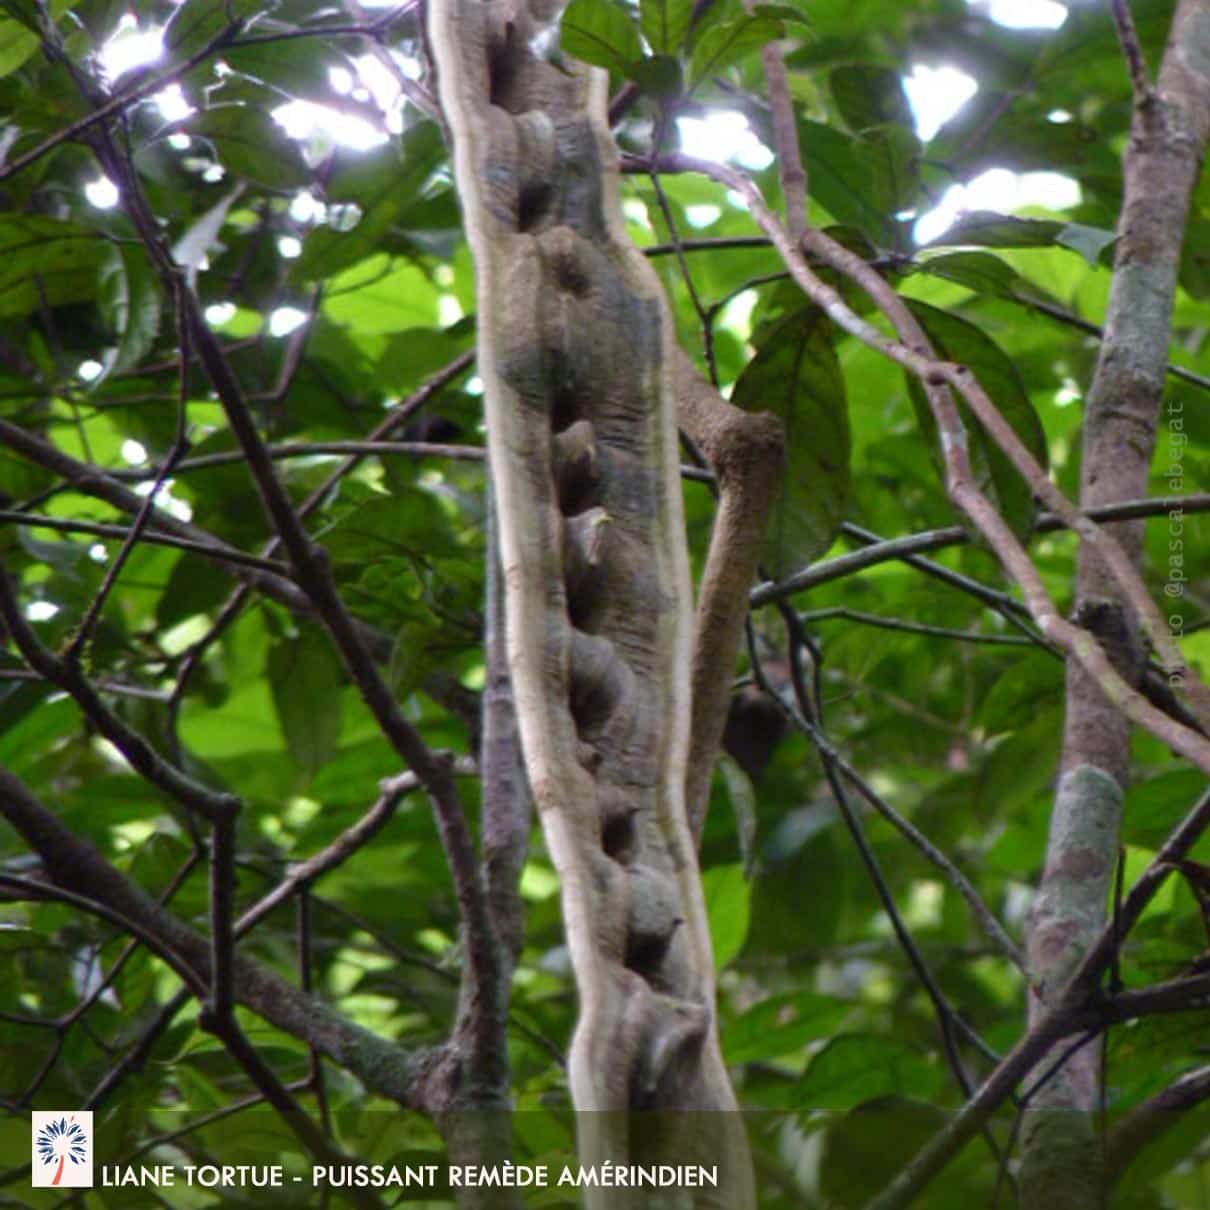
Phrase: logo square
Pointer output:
(61, 1151)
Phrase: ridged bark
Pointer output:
(576, 355)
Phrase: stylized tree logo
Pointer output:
(61, 1139)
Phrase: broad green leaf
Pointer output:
(854, 1068)
(250, 144)
(130, 302)
(727, 895)
(600, 32)
(660, 76)
(957, 340)
(861, 182)
(796, 376)
(870, 1146)
(1154, 806)
(1028, 684)
(381, 184)
(377, 297)
(725, 44)
(869, 96)
(665, 23)
(45, 261)
(979, 271)
(782, 1024)
(1195, 258)
(306, 677)
(297, 67)
(743, 803)
(986, 229)
(1089, 242)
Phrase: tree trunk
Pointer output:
(1062, 1165)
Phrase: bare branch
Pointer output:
(208, 803)
(1066, 1012)
(73, 862)
(1128, 36)
(914, 353)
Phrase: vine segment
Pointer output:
(576, 352)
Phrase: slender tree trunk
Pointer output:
(1062, 1167)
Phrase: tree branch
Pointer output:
(1155, 1116)
(73, 863)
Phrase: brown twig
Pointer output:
(1132, 49)
(913, 352)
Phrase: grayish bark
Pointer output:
(1061, 1162)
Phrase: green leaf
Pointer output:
(743, 804)
(871, 1145)
(250, 144)
(781, 1024)
(376, 297)
(957, 340)
(600, 32)
(979, 271)
(727, 894)
(1027, 685)
(130, 303)
(1195, 258)
(660, 76)
(795, 375)
(665, 23)
(870, 96)
(381, 183)
(861, 182)
(723, 45)
(192, 249)
(1089, 242)
(297, 67)
(16, 45)
(986, 229)
(854, 1068)
(306, 677)
(47, 261)
(195, 23)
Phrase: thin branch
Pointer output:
(100, 529)
(121, 102)
(1066, 1014)
(71, 861)
(1155, 1116)
(1092, 329)
(221, 1001)
(305, 873)
(1132, 49)
(31, 888)
(887, 549)
(879, 621)
(78, 642)
(313, 572)
(790, 168)
(208, 803)
(947, 1018)
(93, 481)
(913, 351)
(108, 686)
(310, 449)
